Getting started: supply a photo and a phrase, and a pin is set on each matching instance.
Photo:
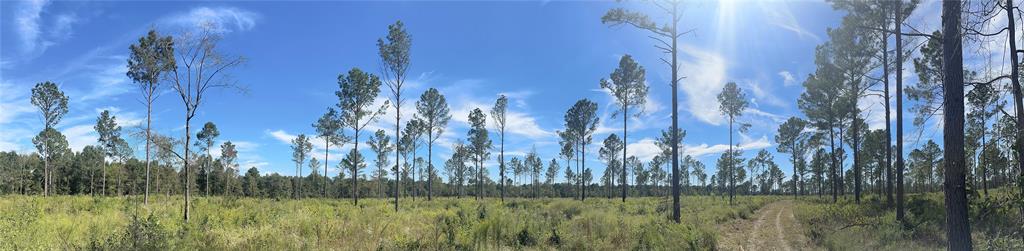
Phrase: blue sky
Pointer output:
(543, 55)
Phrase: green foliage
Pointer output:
(732, 101)
(152, 56)
(628, 85)
(871, 226)
(51, 143)
(394, 53)
(206, 136)
(51, 101)
(356, 94)
(433, 110)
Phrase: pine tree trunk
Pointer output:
(888, 123)
(900, 214)
(957, 223)
(398, 164)
(416, 191)
(732, 165)
(1018, 105)
(430, 164)
(625, 115)
(327, 154)
(188, 176)
(833, 177)
(207, 163)
(46, 163)
(501, 163)
(856, 145)
(355, 174)
(675, 119)
(149, 115)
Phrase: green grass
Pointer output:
(82, 222)
(995, 223)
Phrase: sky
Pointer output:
(543, 55)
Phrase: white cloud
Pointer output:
(9, 138)
(282, 136)
(518, 123)
(762, 93)
(705, 72)
(84, 134)
(336, 153)
(604, 128)
(525, 125)
(13, 103)
(787, 78)
(240, 145)
(27, 19)
(122, 118)
(774, 117)
(645, 149)
(247, 156)
(518, 98)
(109, 80)
(80, 136)
(705, 149)
(36, 32)
(778, 14)
(62, 26)
(223, 19)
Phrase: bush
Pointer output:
(141, 234)
(524, 238)
(554, 240)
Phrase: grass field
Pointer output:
(106, 223)
(82, 222)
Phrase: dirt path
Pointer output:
(773, 227)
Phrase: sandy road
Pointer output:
(773, 227)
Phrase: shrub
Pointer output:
(142, 234)
(524, 238)
(554, 240)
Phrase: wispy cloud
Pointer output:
(13, 103)
(80, 136)
(762, 94)
(319, 145)
(517, 122)
(518, 97)
(37, 32)
(705, 72)
(705, 149)
(779, 14)
(81, 133)
(773, 117)
(108, 80)
(247, 156)
(787, 78)
(223, 19)
(9, 138)
(27, 18)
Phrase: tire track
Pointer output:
(774, 228)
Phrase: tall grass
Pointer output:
(995, 223)
(81, 222)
